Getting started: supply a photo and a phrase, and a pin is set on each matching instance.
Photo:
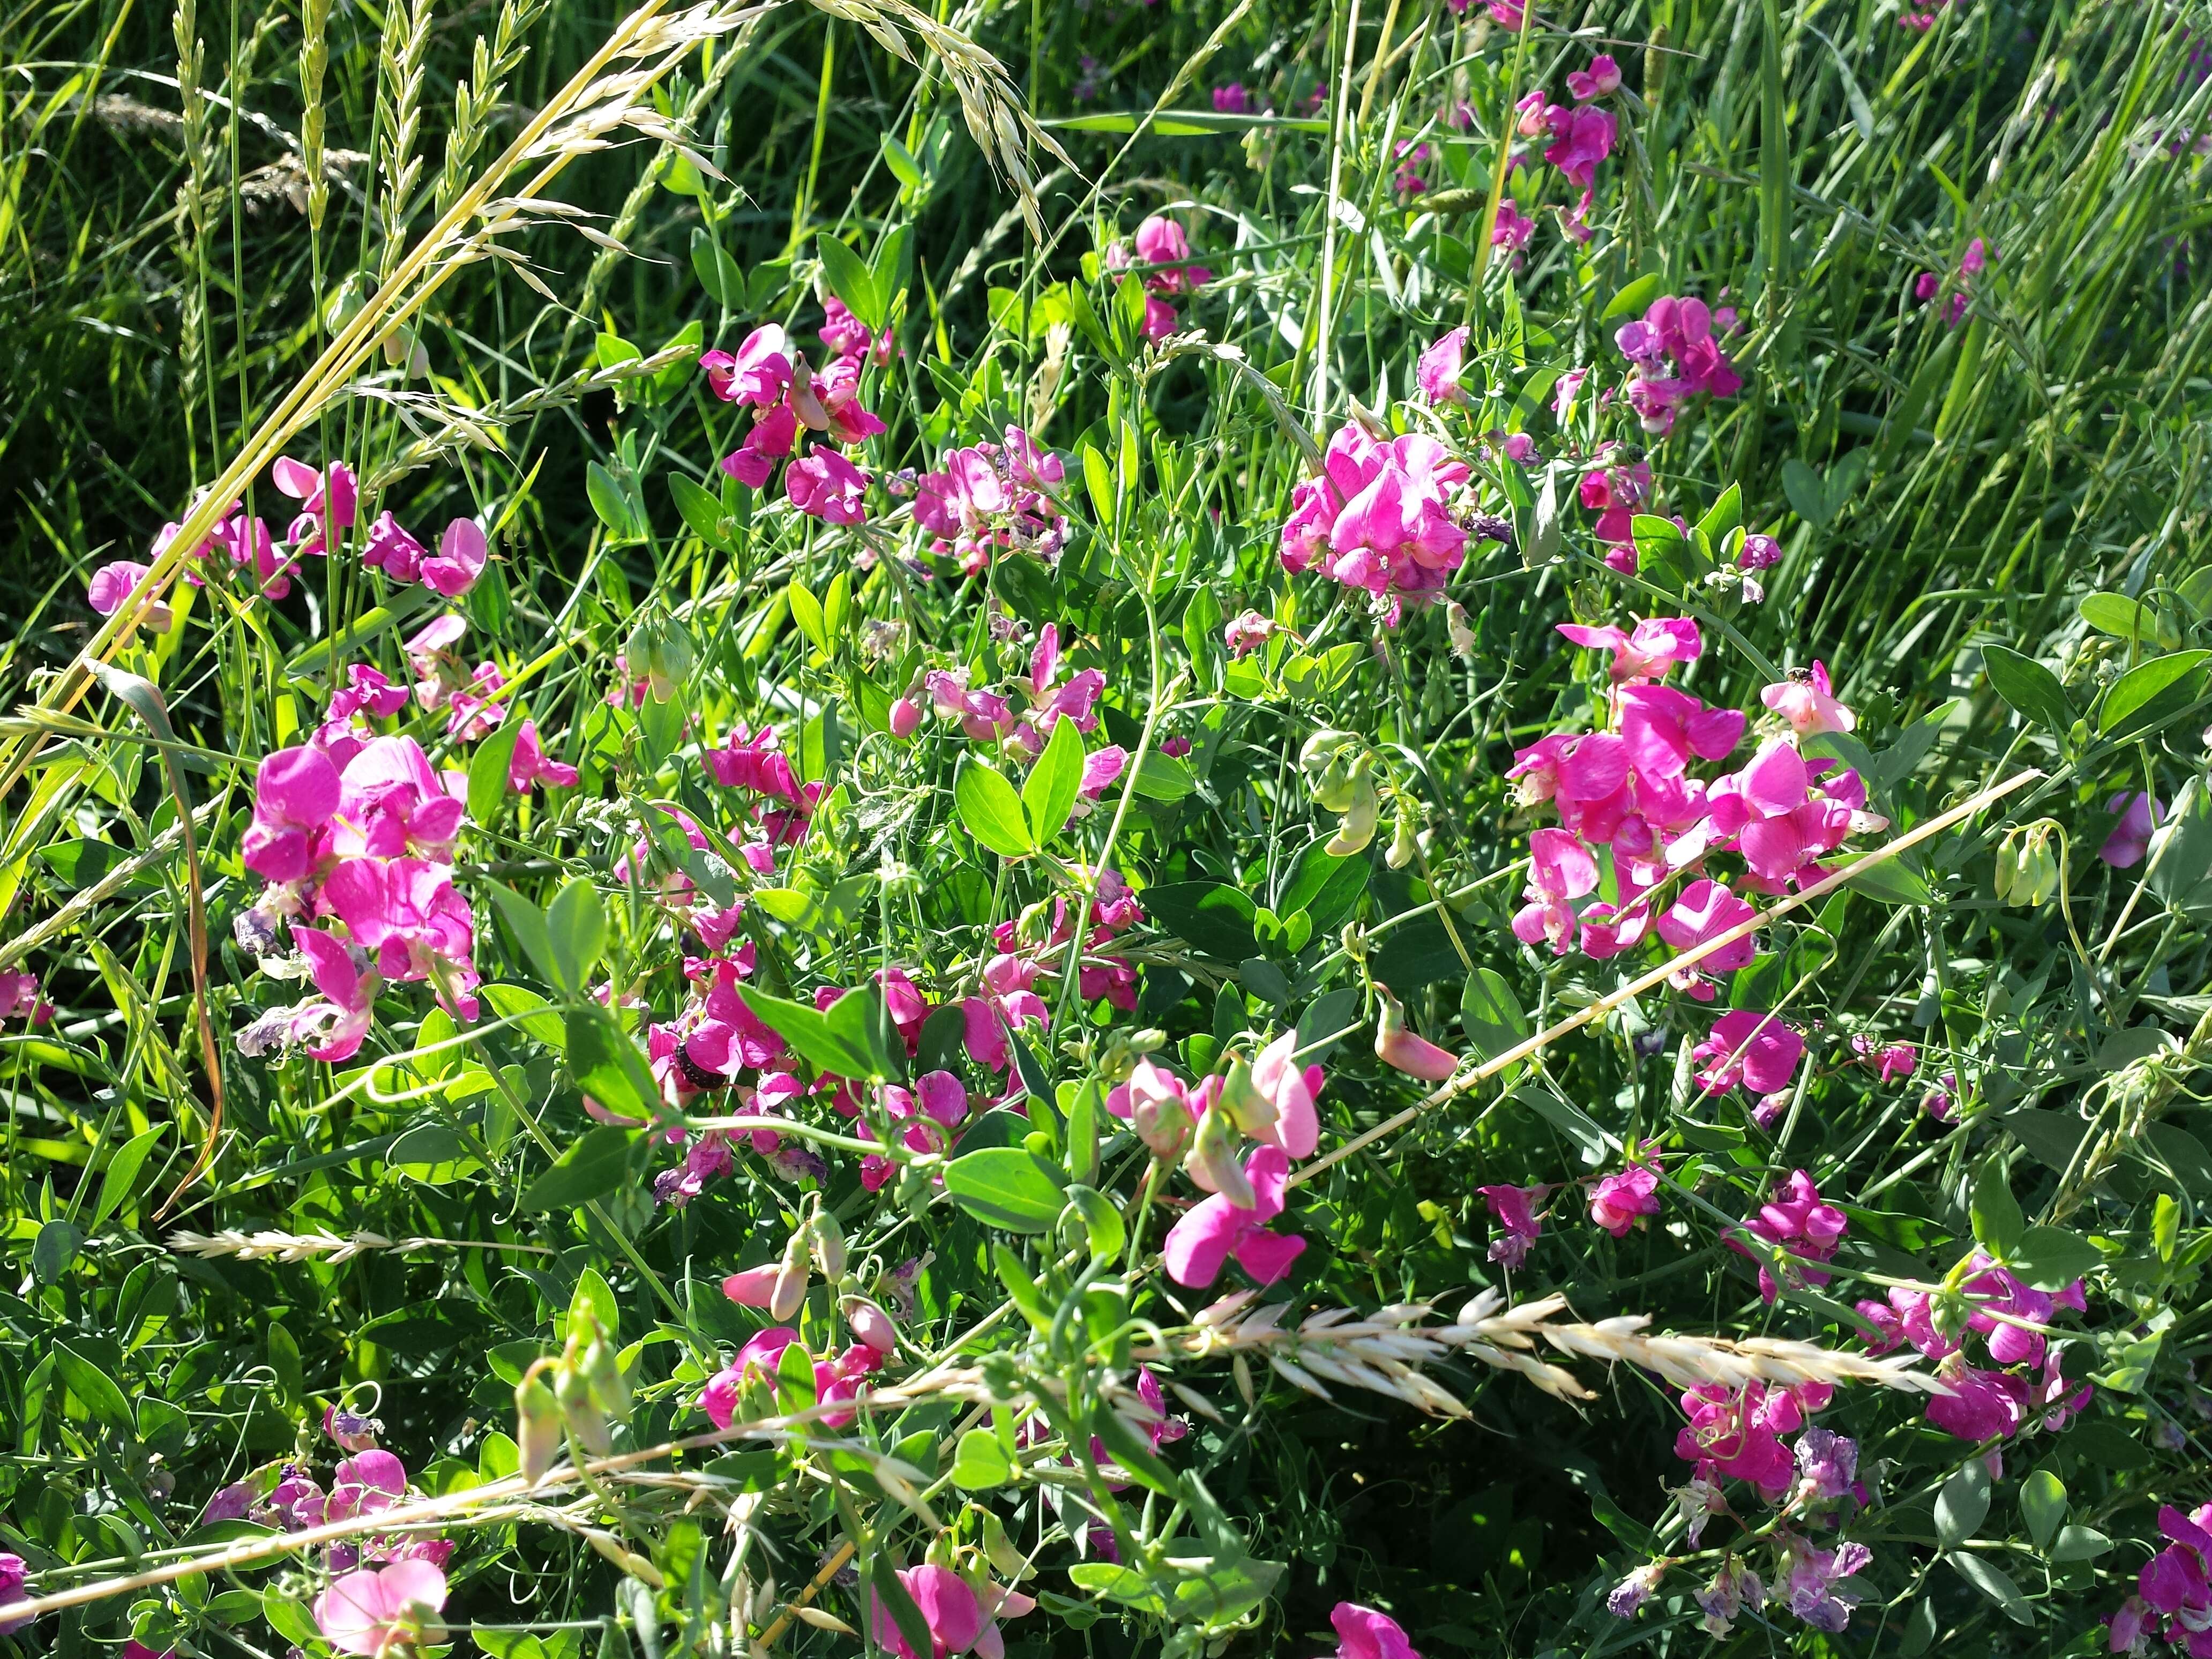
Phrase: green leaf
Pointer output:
(94, 1389)
(859, 1022)
(1212, 915)
(990, 811)
(608, 1065)
(1009, 1188)
(2149, 692)
(123, 1173)
(1961, 1503)
(2051, 1258)
(598, 1163)
(1164, 777)
(487, 771)
(2043, 1505)
(1569, 1119)
(1891, 882)
(851, 280)
(980, 1462)
(612, 504)
(900, 159)
(594, 1303)
(1636, 298)
(1998, 1220)
(1049, 794)
(431, 1155)
(1098, 478)
(532, 1013)
(1109, 1233)
(2120, 617)
(809, 1034)
(1725, 514)
(1491, 1014)
(702, 510)
(1994, 1583)
(718, 273)
(576, 934)
(52, 1251)
(806, 613)
(2079, 1544)
(2031, 689)
(1807, 495)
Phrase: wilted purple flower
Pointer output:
(1813, 1578)
(1733, 1588)
(1828, 1462)
(1633, 1591)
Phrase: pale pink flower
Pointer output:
(382, 1610)
(1438, 372)
(1619, 1199)
(1805, 699)
(2139, 814)
(1600, 80)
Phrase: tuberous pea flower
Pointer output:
(1806, 700)
(1514, 1208)
(759, 373)
(1600, 80)
(1201, 1244)
(1400, 1048)
(1629, 1595)
(1751, 1047)
(383, 1611)
(1619, 1201)
(459, 560)
(2139, 814)
(1364, 1634)
(1438, 372)
(823, 484)
(1648, 652)
(113, 584)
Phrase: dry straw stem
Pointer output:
(325, 1246)
(1461, 1082)
(579, 113)
(1384, 1351)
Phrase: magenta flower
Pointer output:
(1438, 372)
(1512, 230)
(1200, 1245)
(1600, 80)
(1581, 139)
(1704, 909)
(1801, 1222)
(1982, 1405)
(1805, 700)
(12, 1573)
(1560, 869)
(1649, 653)
(948, 1607)
(759, 373)
(114, 583)
(1362, 1633)
(333, 1028)
(1750, 1048)
(824, 485)
(1619, 1199)
(19, 996)
(1514, 1208)
(393, 550)
(759, 1357)
(2139, 814)
(1162, 242)
(329, 501)
(1291, 1090)
(529, 764)
(459, 560)
(1775, 818)
(1232, 99)
(384, 1610)
(1737, 1432)
(296, 791)
(1246, 633)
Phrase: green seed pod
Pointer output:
(581, 1411)
(602, 1367)
(537, 1427)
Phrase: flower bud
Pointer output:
(906, 718)
(1361, 810)
(1212, 1161)
(1456, 629)
(1161, 1117)
(1406, 1051)
(829, 1245)
(1402, 840)
(790, 1290)
(581, 1411)
(870, 1325)
(1247, 1108)
(601, 1367)
(755, 1287)
(537, 1427)
(660, 648)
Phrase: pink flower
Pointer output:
(1706, 907)
(759, 372)
(459, 560)
(382, 1610)
(1246, 633)
(1161, 242)
(1601, 80)
(1800, 1222)
(759, 1357)
(1362, 1633)
(393, 550)
(1290, 1088)
(1750, 1048)
(113, 583)
(2139, 814)
(1649, 653)
(334, 1028)
(1514, 1208)
(948, 1608)
(1437, 374)
(1804, 701)
(1619, 1200)
(1982, 1405)
(1560, 869)
(19, 996)
(1512, 230)
(1201, 1242)
(1812, 1577)
(1401, 1049)
(329, 500)
(846, 335)
(824, 485)
(1232, 99)
(1581, 139)
(1737, 1432)
(296, 791)
(529, 764)
(11, 1590)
